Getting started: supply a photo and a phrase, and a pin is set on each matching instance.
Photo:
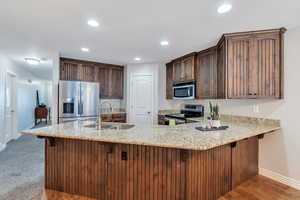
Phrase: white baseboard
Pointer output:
(280, 178)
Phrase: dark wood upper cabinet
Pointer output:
(180, 70)
(184, 68)
(109, 76)
(169, 80)
(188, 68)
(178, 75)
(267, 66)
(104, 80)
(244, 65)
(238, 51)
(250, 65)
(88, 72)
(69, 71)
(117, 74)
(206, 74)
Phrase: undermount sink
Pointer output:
(111, 126)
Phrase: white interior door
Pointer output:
(10, 107)
(141, 99)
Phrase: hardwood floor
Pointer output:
(257, 188)
(262, 188)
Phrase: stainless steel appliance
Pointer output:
(78, 100)
(187, 114)
(184, 91)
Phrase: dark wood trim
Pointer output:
(214, 48)
(243, 33)
(185, 56)
(78, 61)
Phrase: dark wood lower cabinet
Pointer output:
(133, 172)
(244, 160)
(120, 118)
(77, 167)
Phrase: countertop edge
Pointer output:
(271, 130)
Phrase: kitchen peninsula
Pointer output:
(125, 162)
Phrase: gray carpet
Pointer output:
(22, 169)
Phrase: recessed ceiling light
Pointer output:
(164, 43)
(85, 49)
(93, 23)
(224, 8)
(33, 61)
(137, 59)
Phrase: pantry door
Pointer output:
(141, 99)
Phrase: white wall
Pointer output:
(26, 97)
(143, 69)
(55, 80)
(279, 153)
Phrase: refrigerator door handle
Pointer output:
(80, 108)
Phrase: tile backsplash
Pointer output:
(116, 103)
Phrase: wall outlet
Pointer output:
(256, 108)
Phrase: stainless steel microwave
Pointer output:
(184, 91)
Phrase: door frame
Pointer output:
(132, 75)
(14, 130)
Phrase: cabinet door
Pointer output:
(177, 72)
(106, 118)
(206, 75)
(221, 72)
(116, 83)
(121, 118)
(238, 67)
(103, 79)
(266, 69)
(77, 167)
(142, 172)
(169, 80)
(87, 72)
(69, 71)
(188, 65)
(244, 160)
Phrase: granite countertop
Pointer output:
(183, 136)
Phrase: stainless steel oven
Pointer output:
(184, 91)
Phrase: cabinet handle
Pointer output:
(233, 144)
(252, 93)
(183, 155)
(124, 155)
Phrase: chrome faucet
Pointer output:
(98, 123)
(110, 105)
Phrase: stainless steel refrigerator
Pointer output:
(78, 100)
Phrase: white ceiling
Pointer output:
(129, 28)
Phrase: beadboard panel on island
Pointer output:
(120, 171)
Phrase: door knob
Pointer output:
(149, 112)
